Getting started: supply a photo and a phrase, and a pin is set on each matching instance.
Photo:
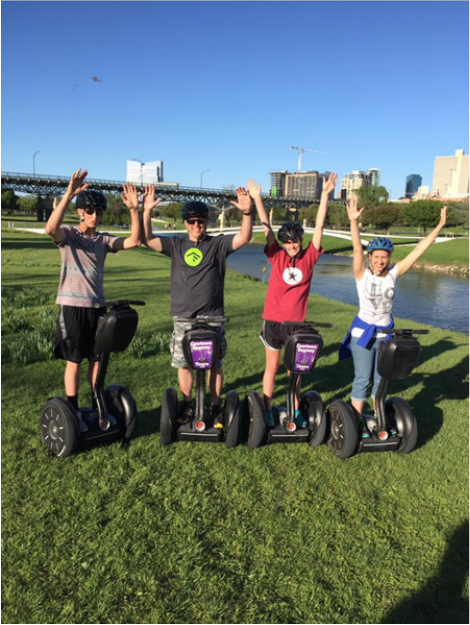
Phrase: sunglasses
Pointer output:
(200, 222)
(92, 211)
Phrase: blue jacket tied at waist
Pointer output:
(367, 337)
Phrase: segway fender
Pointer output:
(399, 411)
(311, 406)
(232, 419)
(254, 419)
(168, 417)
(121, 404)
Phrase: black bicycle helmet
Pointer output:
(291, 231)
(195, 209)
(380, 243)
(94, 199)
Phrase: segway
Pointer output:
(301, 354)
(62, 429)
(395, 428)
(201, 348)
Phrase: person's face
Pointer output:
(196, 226)
(293, 247)
(379, 260)
(90, 217)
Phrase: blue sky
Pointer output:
(230, 86)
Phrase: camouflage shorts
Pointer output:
(176, 343)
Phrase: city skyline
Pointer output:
(189, 94)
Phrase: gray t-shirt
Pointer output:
(81, 276)
(197, 274)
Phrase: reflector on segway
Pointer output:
(383, 435)
(291, 427)
(200, 426)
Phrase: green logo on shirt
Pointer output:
(193, 257)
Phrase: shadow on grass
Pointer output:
(441, 599)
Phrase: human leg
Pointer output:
(363, 365)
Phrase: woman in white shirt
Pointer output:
(376, 290)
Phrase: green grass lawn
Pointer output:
(196, 533)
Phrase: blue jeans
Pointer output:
(365, 365)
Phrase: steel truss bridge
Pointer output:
(55, 185)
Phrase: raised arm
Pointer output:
(75, 186)
(408, 262)
(328, 186)
(149, 204)
(131, 200)
(359, 264)
(255, 192)
(244, 205)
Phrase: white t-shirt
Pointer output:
(375, 299)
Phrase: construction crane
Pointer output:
(300, 151)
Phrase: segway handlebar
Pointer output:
(407, 332)
(125, 302)
(316, 324)
(202, 319)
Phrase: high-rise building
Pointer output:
(144, 173)
(305, 184)
(413, 181)
(278, 183)
(374, 174)
(354, 181)
(451, 175)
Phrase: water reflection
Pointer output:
(437, 299)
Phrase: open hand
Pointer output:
(76, 184)
(254, 189)
(329, 185)
(353, 213)
(244, 200)
(149, 198)
(129, 197)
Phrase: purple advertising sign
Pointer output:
(305, 356)
(202, 351)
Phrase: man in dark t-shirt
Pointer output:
(197, 282)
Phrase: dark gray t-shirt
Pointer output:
(197, 274)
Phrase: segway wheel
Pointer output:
(121, 405)
(232, 419)
(344, 434)
(254, 419)
(311, 407)
(400, 416)
(59, 428)
(168, 417)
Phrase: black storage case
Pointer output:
(116, 330)
(398, 357)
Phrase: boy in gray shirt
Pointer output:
(81, 295)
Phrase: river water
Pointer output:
(429, 297)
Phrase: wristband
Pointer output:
(248, 213)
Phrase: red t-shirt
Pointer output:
(289, 284)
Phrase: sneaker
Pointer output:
(216, 416)
(185, 413)
(299, 420)
(269, 418)
(363, 431)
(82, 426)
(371, 423)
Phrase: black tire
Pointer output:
(255, 420)
(232, 419)
(168, 417)
(400, 416)
(121, 404)
(344, 434)
(311, 408)
(59, 427)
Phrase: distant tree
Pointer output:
(28, 203)
(116, 214)
(422, 213)
(9, 202)
(381, 216)
(172, 210)
(337, 216)
(371, 197)
(280, 214)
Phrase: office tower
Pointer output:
(354, 181)
(451, 176)
(374, 174)
(413, 181)
(306, 184)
